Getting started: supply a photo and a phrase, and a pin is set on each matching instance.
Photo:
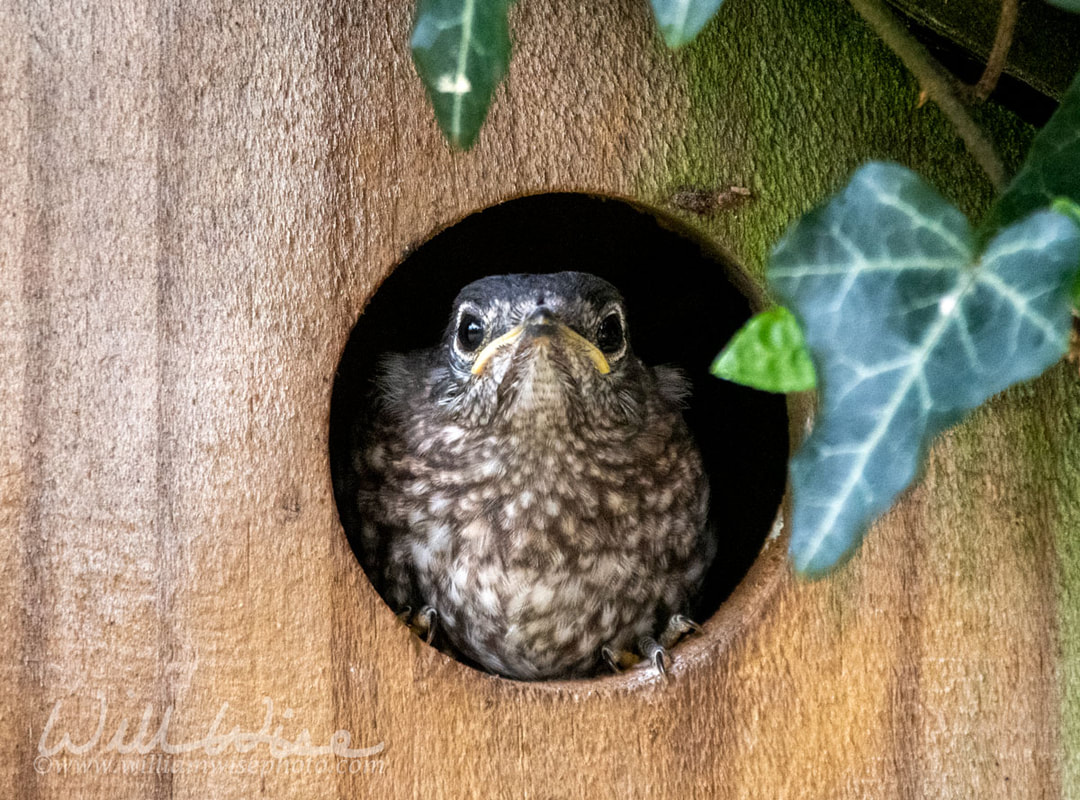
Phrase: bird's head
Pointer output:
(539, 349)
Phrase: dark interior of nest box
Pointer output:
(682, 306)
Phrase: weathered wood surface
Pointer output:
(195, 202)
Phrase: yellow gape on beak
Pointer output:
(485, 355)
(574, 338)
(590, 349)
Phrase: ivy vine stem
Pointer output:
(935, 82)
(999, 52)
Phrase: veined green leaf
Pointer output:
(1063, 205)
(1068, 5)
(681, 20)
(461, 49)
(909, 329)
(767, 353)
(1051, 169)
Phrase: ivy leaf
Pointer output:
(1068, 5)
(1051, 169)
(767, 353)
(1063, 205)
(681, 20)
(909, 328)
(461, 49)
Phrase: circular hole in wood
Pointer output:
(683, 300)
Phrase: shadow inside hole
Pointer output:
(682, 308)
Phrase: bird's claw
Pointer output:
(648, 651)
(619, 660)
(612, 658)
(652, 651)
(678, 626)
(423, 623)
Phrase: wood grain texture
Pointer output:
(196, 201)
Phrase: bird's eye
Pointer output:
(470, 333)
(609, 336)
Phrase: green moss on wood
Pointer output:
(787, 99)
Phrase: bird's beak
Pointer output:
(494, 346)
(543, 323)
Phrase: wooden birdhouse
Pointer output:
(215, 215)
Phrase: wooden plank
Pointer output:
(198, 200)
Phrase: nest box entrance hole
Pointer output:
(683, 304)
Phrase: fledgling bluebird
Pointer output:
(529, 486)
